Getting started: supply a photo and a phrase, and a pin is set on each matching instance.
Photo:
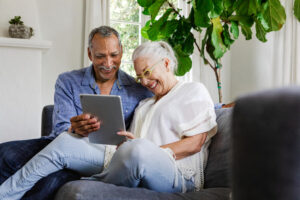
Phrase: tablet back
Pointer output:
(108, 109)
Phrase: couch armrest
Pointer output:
(47, 120)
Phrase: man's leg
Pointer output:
(15, 154)
(66, 151)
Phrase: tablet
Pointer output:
(108, 109)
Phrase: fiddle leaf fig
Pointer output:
(221, 20)
(154, 8)
(274, 14)
(297, 9)
(216, 38)
(247, 7)
(234, 29)
(260, 32)
(202, 9)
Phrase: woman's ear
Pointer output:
(167, 64)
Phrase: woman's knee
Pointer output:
(136, 150)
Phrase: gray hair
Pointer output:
(157, 50)
(104, 31)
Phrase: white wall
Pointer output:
(61, 22)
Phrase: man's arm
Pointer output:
(64, 107)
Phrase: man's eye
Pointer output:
(99, 57)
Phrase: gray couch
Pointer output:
(217, 184)
(265, 149)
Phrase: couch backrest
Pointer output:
(47, 120)
(216, 173)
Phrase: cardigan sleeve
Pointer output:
(197, 112)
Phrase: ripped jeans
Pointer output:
(137, 163)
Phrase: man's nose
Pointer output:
(108, 61)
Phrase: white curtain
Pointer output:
(286, 53)
(96, 14)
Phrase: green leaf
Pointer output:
(216, 38)
(169, 27)
(227, 38)
(246, 32)
(154, 30)
(184, 65)
(146, 11)
(144, 30)
(260, 31)
(154, 8)
(234, 29)
(263, 22)
(228, 5)
(188, 46)
(247, 7)
(207, 33)
(202, 9)
(297, 9)
(145, 3)
(274, 14)
(245, 20)
(218, 8)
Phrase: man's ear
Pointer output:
(121, 50)
(89, 53)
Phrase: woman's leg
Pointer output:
(66, 151)
(141, 163)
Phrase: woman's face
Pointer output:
(158, 80)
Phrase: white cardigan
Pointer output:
(186, 110)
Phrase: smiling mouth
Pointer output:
(152, 86)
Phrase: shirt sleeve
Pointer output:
(198, 114)
(64, 107)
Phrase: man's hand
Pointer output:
(84, 124)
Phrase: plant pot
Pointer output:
(20, 31)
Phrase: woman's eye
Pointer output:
(146, 73)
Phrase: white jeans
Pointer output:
(137, 163)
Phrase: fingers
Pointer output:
(84, 124)
(126, 134)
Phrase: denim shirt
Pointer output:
(70, 85)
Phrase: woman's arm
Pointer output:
(187, 146)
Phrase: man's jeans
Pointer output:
(15, 154)
(137, 163)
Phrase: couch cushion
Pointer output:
(90, 190)
(216, 173)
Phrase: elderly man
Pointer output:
(102, 77)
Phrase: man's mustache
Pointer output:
(107, 68)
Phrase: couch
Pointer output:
(254, 155)
(217, 183)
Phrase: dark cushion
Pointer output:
(216, 173)
(89, 190)
(266, 145)
(47, 120)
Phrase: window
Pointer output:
(127, 18)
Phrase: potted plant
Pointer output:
(219, 21)
(17, 29)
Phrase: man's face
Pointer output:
(106, 55)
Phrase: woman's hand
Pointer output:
(128, 135)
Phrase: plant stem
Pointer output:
(215, 68)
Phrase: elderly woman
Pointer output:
(167, 146)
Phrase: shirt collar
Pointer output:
(89, 78)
